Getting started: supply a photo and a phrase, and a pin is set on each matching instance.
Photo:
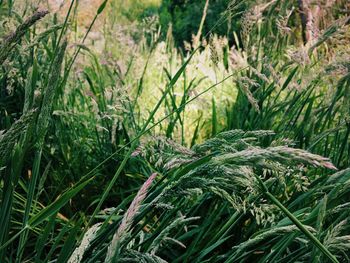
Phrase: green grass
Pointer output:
(138, 151)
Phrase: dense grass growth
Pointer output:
(117, 145)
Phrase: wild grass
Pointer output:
(138, 151)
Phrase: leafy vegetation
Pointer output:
(184, 18)
(120, 142)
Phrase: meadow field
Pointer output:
(174, 131)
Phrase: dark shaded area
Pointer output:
(185, 17)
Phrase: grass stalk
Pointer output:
(302, 228)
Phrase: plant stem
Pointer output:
(302, 228)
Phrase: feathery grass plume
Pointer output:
(126, 223)
(282, 22)
(245, 87)
(160, 151)
(339, 66)
(160, 240)
(12, 39)
(298, 55)
(267, 234)
(335, 241)
(138, 257)
(250, 18)
(234, 135)
(260, 75)
(303, 156)
(230, 141)
(233, 167)
(256, 156)
(339, 209)
(49, 94)
(89, 236)
(235, 201)
(236, 185)
(329, 32)
(238, 59)
(176, 162)
(9, 138)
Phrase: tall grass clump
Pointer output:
(119, 145)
